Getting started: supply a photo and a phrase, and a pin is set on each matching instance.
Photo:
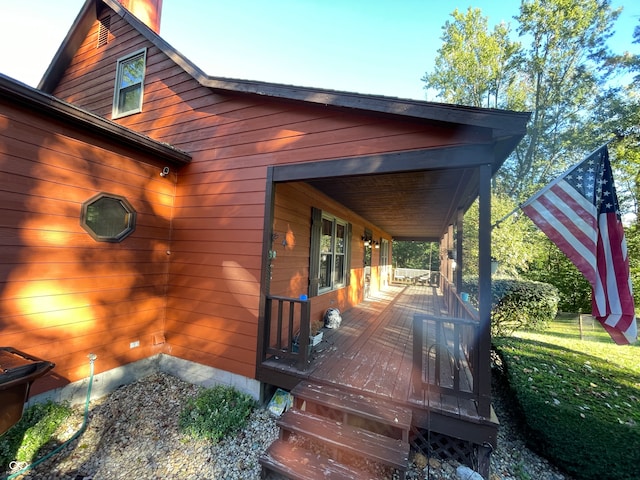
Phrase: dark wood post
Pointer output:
(305, 331)
(483, 375)
(418, 342)
(459, 255)
(265, 281)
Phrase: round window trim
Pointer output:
(108, 217)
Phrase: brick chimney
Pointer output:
(147, 11)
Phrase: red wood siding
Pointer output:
(290, 268)
(62, 294)
(216, 263)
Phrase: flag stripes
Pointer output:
(579, 213)
(574, 234)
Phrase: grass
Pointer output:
(23, 441)
(579, 395)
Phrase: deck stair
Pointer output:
(338, 429)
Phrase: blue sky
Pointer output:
(368, 46)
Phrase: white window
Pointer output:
(333, 250)
(127, 97)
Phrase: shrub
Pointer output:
(215, 413)
(580, 408)
(518, 304)
(23, 441)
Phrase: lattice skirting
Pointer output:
(433, 444)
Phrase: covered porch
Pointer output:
(411, 346)
(414, 347)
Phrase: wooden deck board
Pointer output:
(372, 353)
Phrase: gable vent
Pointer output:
(103, 30)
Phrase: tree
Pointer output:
(562, 75)
(563, 72)
(618, 111)
(553, 267)
(421, 255)
(558, 77)
(514, 239)
(473, 66)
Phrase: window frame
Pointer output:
(335, 278)
(131, 217)
(119, 90)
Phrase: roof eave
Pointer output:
(15, 92)
(507, 121)
(510, 125)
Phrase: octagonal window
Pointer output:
(108, 218)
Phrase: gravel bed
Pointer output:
(133, 434)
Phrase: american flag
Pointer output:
(579, 212)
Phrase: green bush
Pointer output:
(215, 413)
(581, 410)
(518, 304)
(23, 441)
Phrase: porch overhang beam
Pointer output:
(414, 160)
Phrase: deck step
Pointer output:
(297, 463)
(351, 405)
(343, 438)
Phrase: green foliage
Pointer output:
(580, 398)
(553, 267)
(632, 236)
(474, 66)
(514, 239)
(565, 66)
(518, 304)
(557, 72)
(23, 441)
(421, 255)
(215, 413)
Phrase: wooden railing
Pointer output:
(445, 349)
(454, 303)
(287, 329)
(445, 355)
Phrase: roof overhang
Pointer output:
(410, 194)
(413, 195)
(12, 91)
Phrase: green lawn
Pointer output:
(580, 396)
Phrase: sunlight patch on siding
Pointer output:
(248, 295)
(46, 305)
(283, 139)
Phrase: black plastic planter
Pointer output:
(17, 372)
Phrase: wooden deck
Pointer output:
(372, 354)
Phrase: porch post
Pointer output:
(450, 269)
(459, 255)
(265, 269)
(484, 292)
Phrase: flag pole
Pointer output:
(548, 186)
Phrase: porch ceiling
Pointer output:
(414, 205)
